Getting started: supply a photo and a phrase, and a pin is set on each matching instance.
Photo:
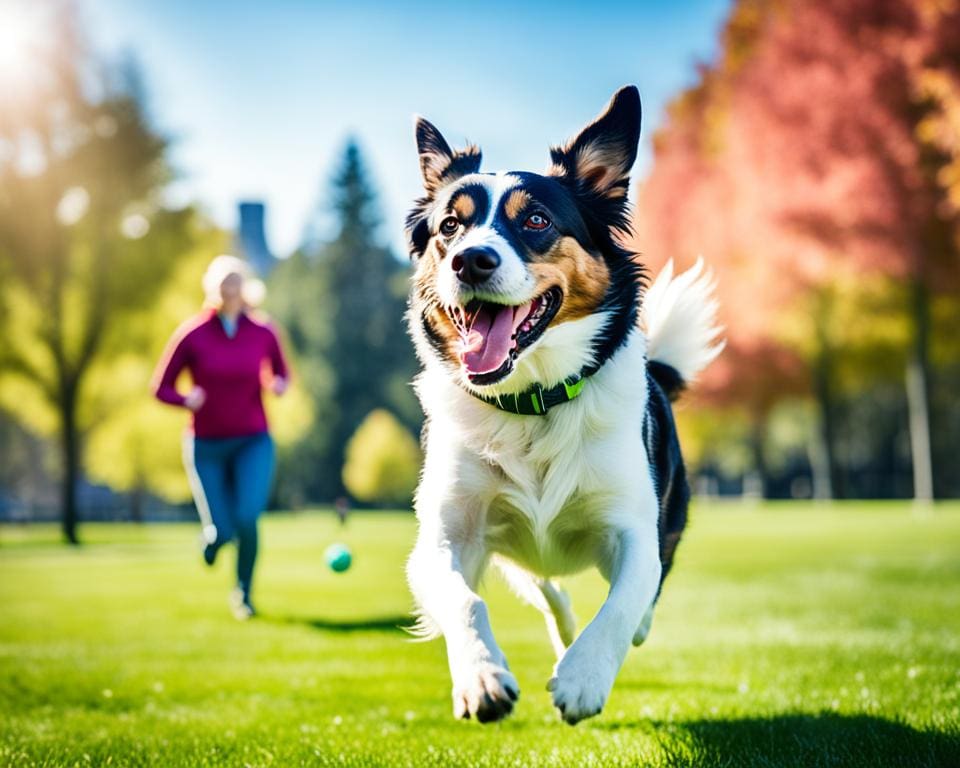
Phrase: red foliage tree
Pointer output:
(824, 141)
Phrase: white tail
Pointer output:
(679, 315)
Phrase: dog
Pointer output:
(549, 438)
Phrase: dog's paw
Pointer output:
(579, 687)
(486, 691)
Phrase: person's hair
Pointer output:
(253, 291)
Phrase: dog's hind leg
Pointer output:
(547, 597)
(561, 623)
(645, 624)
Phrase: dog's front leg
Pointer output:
(584, 676)
(442, 576)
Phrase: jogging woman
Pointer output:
(228, 452)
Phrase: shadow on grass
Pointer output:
(802, 741)
(398, 623)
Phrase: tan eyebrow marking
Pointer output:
(516, 202)
(464, 206)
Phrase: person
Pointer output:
(227, 452)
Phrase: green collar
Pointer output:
(536, 401)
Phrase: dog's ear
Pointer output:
(439, 165)
(598, 160)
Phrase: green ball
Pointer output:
(338, 557)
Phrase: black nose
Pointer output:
(474, 265)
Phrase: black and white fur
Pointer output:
(598, 481)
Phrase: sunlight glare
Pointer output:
(72, 206)
(21, 32)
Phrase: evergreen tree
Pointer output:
(343, 306)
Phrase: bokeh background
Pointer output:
(809, 151)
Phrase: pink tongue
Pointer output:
(489, 342)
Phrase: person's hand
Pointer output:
(279, 385)
(195, 399)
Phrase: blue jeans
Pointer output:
(230, 478)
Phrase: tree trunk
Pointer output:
(136, 502)
(69, 444)
(918, 400)
(827, 478)
(830, 481)
(757, 435)
(822, 487)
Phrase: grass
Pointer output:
(787, 635)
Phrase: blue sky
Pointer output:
(261, 97)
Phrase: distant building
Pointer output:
(251, 239)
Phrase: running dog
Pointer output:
(547, 378)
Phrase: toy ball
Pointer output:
(338, 557)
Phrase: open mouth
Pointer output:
(493, 335)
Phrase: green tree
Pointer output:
(343, 304)
(383, 461)
(79, 218)
(297, 297)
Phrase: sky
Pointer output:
(260, 98)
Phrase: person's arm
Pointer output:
(174, 360)
(278, 364)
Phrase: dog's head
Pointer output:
(520, 278)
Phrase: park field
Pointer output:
(787, 635)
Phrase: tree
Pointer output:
(79, 186)
(369, 349)
(352, 342)
(867, 184)
(383, 461)
(297, 296)
(691, 204)
(828, 151)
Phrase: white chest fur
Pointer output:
(548, 491)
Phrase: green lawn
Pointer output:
(786, 635)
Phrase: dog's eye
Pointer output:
(449, 225)
(537, 222)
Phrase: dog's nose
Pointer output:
(474, 265)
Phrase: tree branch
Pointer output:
(13, 362)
